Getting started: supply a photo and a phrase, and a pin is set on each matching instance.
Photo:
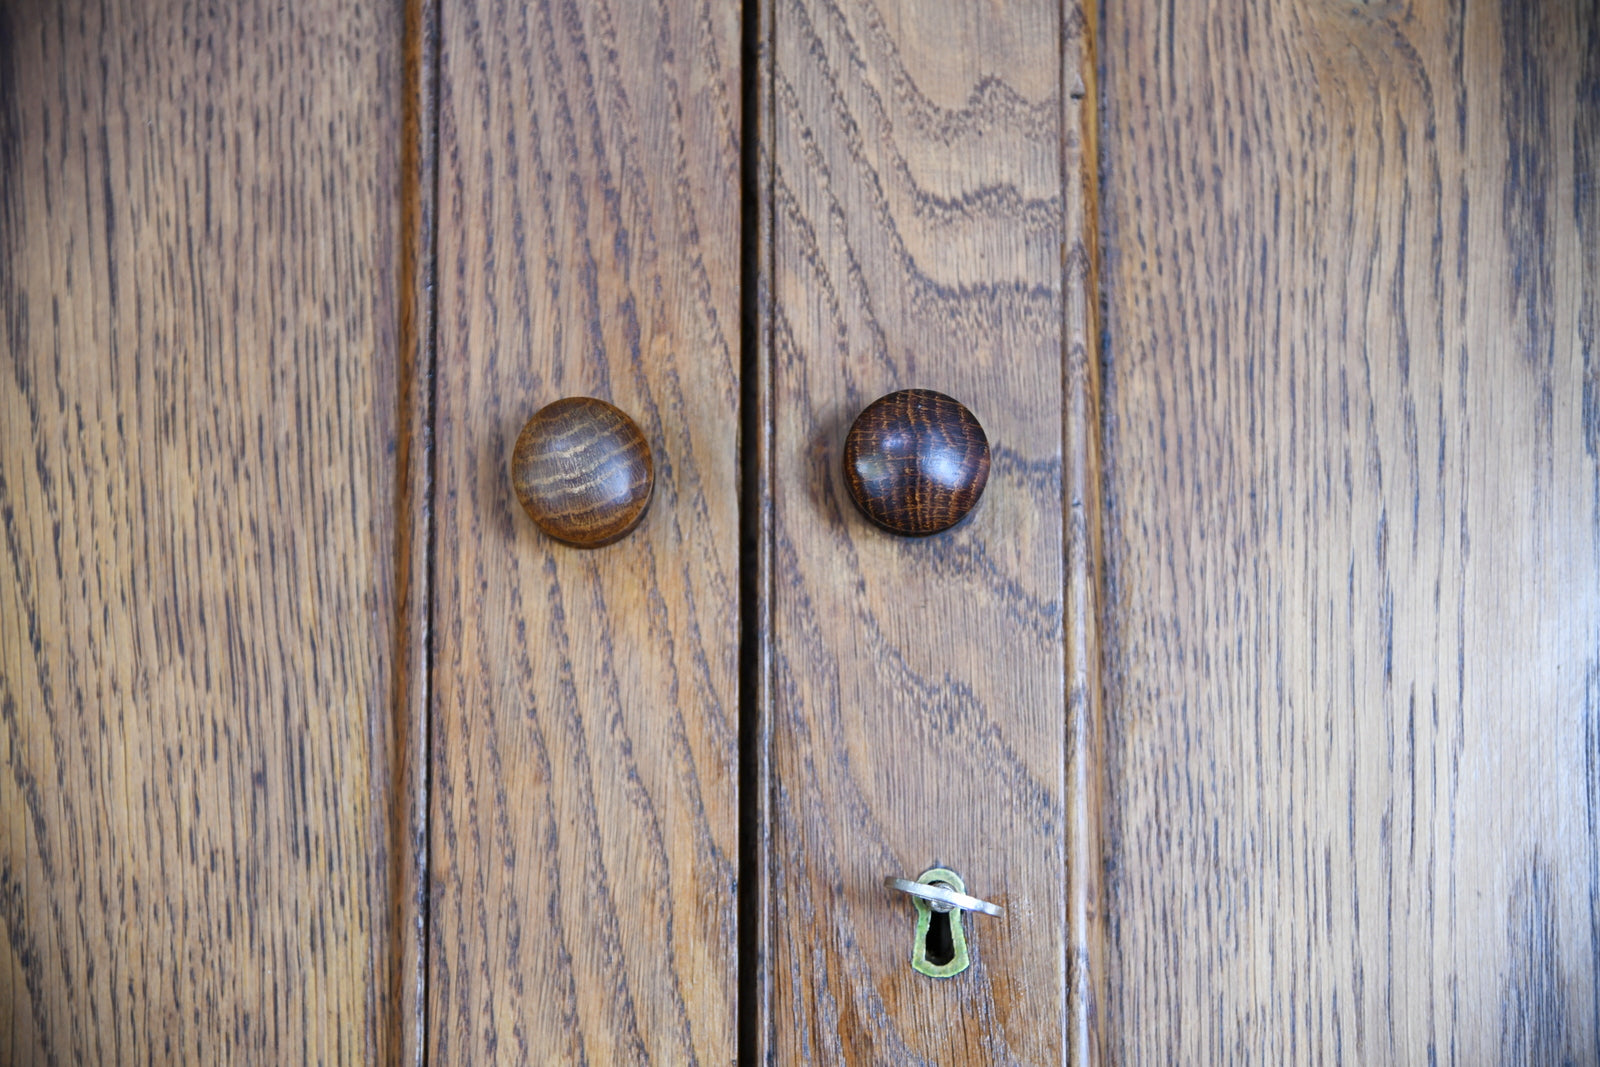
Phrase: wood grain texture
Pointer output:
(584, 821)
(205, 839)
(1353, 604)
(914, 692)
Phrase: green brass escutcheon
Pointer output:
(947, 958)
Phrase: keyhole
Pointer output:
(940, 944)
(940, 948)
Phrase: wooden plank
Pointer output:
(585, 794)
(914, 701)
(1353, 603)
(205, 833)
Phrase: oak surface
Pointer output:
(912, 689)
(584, 820)
(208, 656)
(1352, 608)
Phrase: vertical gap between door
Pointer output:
(755, 588)
(409, 783)
(431, 63)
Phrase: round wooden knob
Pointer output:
(916, 462)
(582, 471)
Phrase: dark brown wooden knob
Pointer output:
(582, 471)
(916, 462)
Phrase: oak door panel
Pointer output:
(585, 736)
(913, 709)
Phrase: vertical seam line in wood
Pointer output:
(415, 481)
(1081, 526)
(766, 264)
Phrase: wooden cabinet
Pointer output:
(1261, 688)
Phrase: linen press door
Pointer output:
(584, 824)
(585, 806)
(584, 820)
(920, 195)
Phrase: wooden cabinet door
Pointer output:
(584, 826)
(1261, 688)
(913, 690)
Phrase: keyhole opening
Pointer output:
(940, 945)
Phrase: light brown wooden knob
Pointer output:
(583, 472)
